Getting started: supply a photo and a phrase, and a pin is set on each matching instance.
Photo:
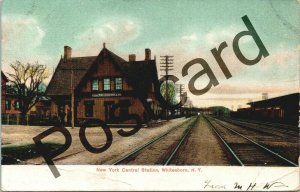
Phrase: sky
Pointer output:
(37, 30)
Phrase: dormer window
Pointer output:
(118, 83)
(95, 85)
(106, 84)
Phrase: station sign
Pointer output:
(106, 95)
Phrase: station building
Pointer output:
(102, 81)
(283, 109)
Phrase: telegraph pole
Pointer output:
(166, 65)
(72, 92)
(180, 90)
(72, 96)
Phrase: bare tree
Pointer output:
(26, 80)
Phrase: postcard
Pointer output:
(137, 95)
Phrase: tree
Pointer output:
(168, 91)
(26, 82)
(169, 96)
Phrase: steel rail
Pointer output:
(264, 126)
(77, 152)
(279, 125)
(272, 126)
(135, 151)
(257, 144)
(224, 142)
(187, 131)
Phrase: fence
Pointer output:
(16, 119)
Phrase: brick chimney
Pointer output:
(147, 54)
(67, 52)
(132, 57)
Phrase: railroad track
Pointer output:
(245, 151)
(278, 125)
(116, 162)
(170, 154)
(261, 127)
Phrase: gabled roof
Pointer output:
(60, 83)
(115, 57)
(139, 74)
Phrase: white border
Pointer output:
(87, 178)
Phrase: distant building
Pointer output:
(283, 109)
(265, 96)
(102, 81)
(12, 103)
(9, 105)
(4, 80)
(41, 108)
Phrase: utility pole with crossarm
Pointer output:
(166, 65)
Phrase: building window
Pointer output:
(118, 83)
(17, 104)
(106, 84)
(89, 108)
(7, 104)
(95, 85)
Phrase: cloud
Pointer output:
(187, 48)
(21, 27)
(280, 57)
(22, 37)
(242, 86)
(196, 45)
(216, 36)
(114, 32)
(192, 37)
(252, 89)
